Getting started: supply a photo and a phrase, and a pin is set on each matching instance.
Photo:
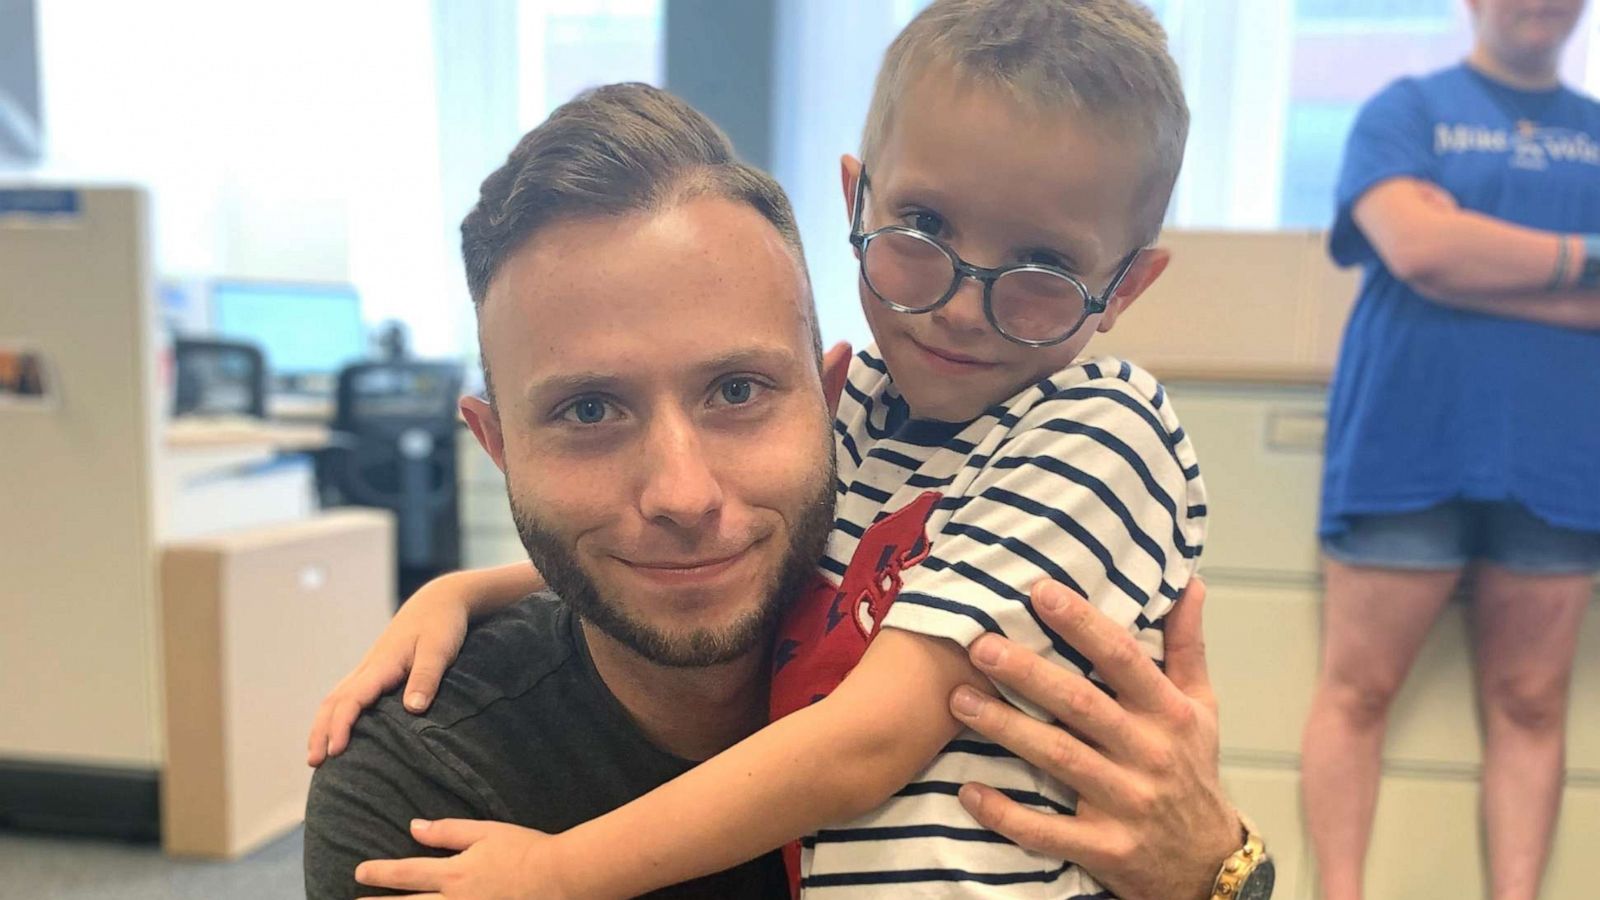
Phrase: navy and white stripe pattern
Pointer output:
(1085, 477)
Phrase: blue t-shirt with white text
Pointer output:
(1430, 403)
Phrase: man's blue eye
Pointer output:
(589, 412)
(737, 391)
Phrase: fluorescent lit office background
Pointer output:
(306, 140)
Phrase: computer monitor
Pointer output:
(21, 131)
(308, 331)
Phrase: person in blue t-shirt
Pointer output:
(1463, 427)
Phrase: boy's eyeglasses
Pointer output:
(1029, 303)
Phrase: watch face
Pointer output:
(1258, 885)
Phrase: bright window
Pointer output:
(1343, 12)
(301, 140)
(1275, 88)
(1273, 85)
(569, 45)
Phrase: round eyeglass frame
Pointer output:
(960, 270)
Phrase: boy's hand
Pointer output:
(497, 862)
(423, 637)
(1152, 822)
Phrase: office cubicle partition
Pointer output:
(79, 743)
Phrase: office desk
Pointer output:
(300, 409)
(257, 624)
(226, 474)
(188, 435)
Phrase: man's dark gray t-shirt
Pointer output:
(523, 731)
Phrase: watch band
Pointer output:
(1235, 875)
(1589, 272)
(1558, 276)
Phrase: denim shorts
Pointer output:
(1452, 534)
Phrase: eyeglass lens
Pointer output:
(914, 274)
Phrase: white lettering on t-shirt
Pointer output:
(1469, 139)
(1532, 149)
(1566, 145)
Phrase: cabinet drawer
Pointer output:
(1271, 798)
(1263, 648)
(1260, 449)
(1426, 841)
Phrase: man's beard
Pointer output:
(700, 647)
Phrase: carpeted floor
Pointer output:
(36, 867)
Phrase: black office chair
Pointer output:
(219, 378)
(394, 447)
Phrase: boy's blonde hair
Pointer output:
(1105, 58)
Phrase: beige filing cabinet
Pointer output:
(78, 625)
(257, 625)
(1243, 329)
(1259, 443)
(488, 536)
(112, 684)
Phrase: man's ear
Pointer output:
(485, 425)
(1144, 272)
(849, 172)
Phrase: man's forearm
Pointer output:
(1560, 301)
(1453, 255)
(1463, 253)
(1563, 309)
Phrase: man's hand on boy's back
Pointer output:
(1152, 821)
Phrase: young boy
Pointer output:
(1017, 161)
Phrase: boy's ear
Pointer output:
(849, 172)
(1146, 269)
(835, 372)
(485, 425)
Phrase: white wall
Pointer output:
(292, 140)
(827, 56)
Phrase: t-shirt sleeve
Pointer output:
(362, 801)
(1392, 137)
(1091, 489)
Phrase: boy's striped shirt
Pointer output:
(1085, 477)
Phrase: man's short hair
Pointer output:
(612, 151)
(1105, 58)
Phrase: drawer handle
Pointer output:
(1296, 431)
(313, 577)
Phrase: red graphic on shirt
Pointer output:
(827, 630)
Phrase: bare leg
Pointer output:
(1526, 632)
(1374, 621)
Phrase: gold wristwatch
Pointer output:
(1249, 873)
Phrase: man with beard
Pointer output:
(656, 399)
(651, 353)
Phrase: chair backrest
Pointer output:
(396, 426)
(381, 397)
(219, 378)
